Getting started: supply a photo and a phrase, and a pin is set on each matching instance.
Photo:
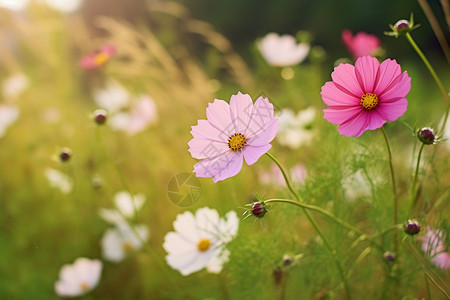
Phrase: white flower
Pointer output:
(14, 85)
(118, 242)
(79, 278)
(199, 241)
(8, 115)
(113, 98)
(128, 206)
(65, 6)
(294, 130)
(59, 180)
(13, 4)
(282, 51)
(142, 112)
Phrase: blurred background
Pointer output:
(175, 57)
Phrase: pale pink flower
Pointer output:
(231, 133)
(79, 278)
(98, 58)
(362, 44)
(365, 96)
(434, 245)
(282, 50)
(297, 175)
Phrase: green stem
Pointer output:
(428, 286)
(136, 233)
(319, 210)
(435, 77)
(394, 189)
(314, 224)
(116, 168)
(414, 183)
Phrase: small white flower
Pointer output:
(14, 85)
(79, 278)
(199, 241)
(8, 115)
(113, 98)
(65, 6)
(142, 112)
(282, 50)
(14, 4)
(294, 130)
(118, 242)
(128, 206)
(59, 180)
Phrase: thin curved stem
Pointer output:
(414, 182)
(136, 233)
(435, 77)
(394, 189)
(314, 224)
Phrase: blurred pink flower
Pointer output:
(365, 96)
(98, 58)
(79, 278)
(434, 245)
(362, 44)
(282, 50)
(297, 175)
(231, 133)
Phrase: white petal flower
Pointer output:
(199, 241)
(294, 130)
(14, 85)
(120, 241)
(282, 50)
(14, 4)
(65, 6)
(143, 113)
(8, 115)
(59, 180)
(79, 278)
(113, 98)
(127, 206)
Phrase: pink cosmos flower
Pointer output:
(434, 245)
(231, 133)
(365, 96)
(362, 44)
(98, 58)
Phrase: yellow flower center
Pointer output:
(127, 247)
(204, 245)
(236, 142)
(369, 101)
(101, 58)
(84, 286)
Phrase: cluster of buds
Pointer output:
(402, 27)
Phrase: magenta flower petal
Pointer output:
(231, 132)
(366, 72)
(252, 153)
(98, 58)
(364, 97)
(355, 126)
(361, 44)
(388, 71)
(442, 260)
(333, 96)
(240, 108)
(345, 78)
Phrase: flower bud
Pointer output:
(287, 260)
(100, 116)
(65, 154)
(412, 227)
(426, 135)
(402, 25)
(259, 209)
(389, 256)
